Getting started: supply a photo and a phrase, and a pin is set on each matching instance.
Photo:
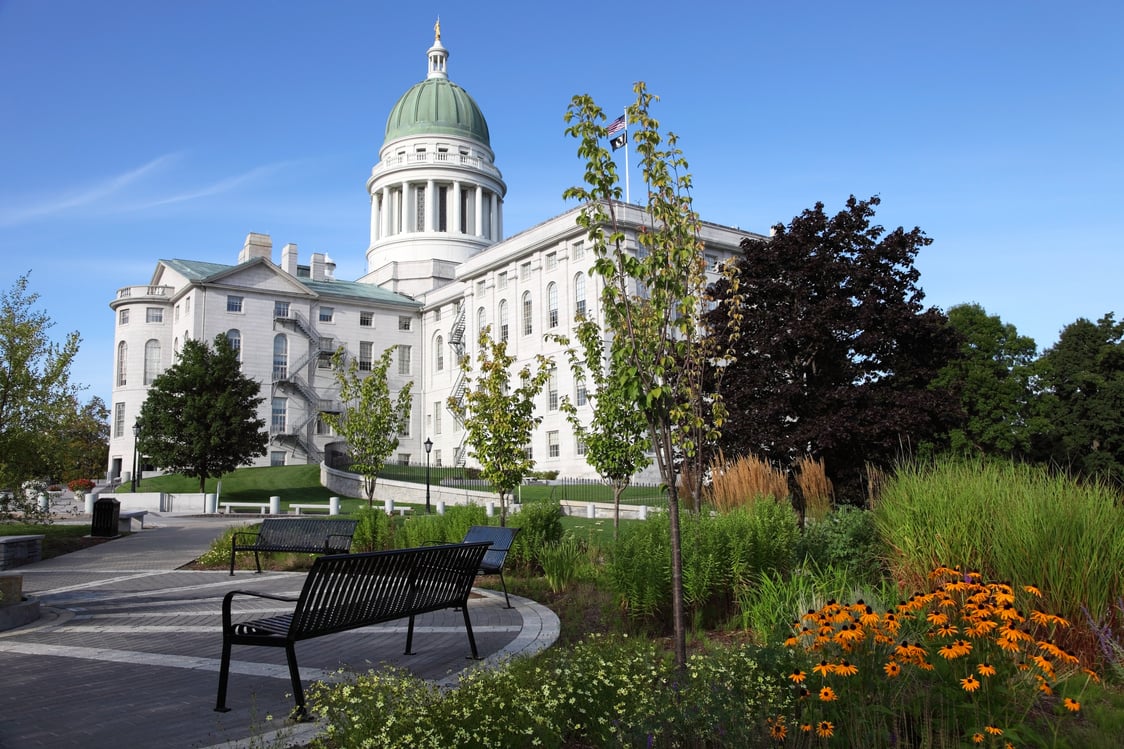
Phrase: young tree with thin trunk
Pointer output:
(371, 420)
(201, 414)
(499, 420)
(653, 299)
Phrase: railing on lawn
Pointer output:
(532, 489)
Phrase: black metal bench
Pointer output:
(294, 535)
(501, 540)
(348, 591)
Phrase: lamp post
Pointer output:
(136, 435)
(428, 448)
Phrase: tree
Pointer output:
(200, 416)
(652, 300)
(498, 420)
(616, 438)
(35, 393)
(991, 375)
(1083, 401)
(836, 352)
(83, 448)
(370, 421)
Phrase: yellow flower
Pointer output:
(825, 728)
(806, 727)
(846, 668)
(977, 738)
(937, 617)
(970, 684)
(777, 728)
(827, 694)
(892, 669)
(823, 668)
(1071, 704)
(986, 669)
(994, 730)
(947, 630)
(798, 676)
(1033, 590)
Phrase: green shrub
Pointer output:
(847, 538)
(459, 518)
(420, 530)
(539, 523)
(218, 554)
(562, 560)
(373, 530)
(639, 568)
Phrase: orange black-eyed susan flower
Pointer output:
(1033, 590)
(798, 676)
(986, 669)
(823, 668)
(977, 738)
(827, 694)
(994, 730)
(1071, 704)
(778, 730)
(825, 729)
(806, 727)
(846, 668)
(970, 683)
(892, 669)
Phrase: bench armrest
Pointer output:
(245, 534)
(348, 536)
(226, 600)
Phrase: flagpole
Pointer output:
(626, 179)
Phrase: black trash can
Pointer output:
(104, 522)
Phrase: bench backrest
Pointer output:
(333, 535)
(345, 591)
(501, 540)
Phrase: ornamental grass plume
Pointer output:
(967, 662)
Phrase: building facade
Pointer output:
(439, 269)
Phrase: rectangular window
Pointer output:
(405, 322)
(551, 260)
(501, 280)
(524, 271)
(323, 428)
(552, 445)
(118, 419)
(405, 430)
(365, 349)
(479, 288)
(278, 411)
(327, 313)
(581, 397)
(123, 317)
(176, 316)
(552, 389)
(281, 309)
(577, 251)
(154, 314)
(366, 319)
(403, 459)
(233, 303)
(437, 458)
(276, 458)
(404, 360)
(437, 417)
(711, 262)
(437, 314)
(580, 447)
(324, 357)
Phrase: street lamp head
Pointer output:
(428, 445)
(136, 428)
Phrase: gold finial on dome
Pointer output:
(437, 30)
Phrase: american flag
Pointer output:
(616, 125)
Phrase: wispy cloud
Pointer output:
(112, 195)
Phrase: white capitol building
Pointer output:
(439, 268)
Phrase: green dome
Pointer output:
(440, 107)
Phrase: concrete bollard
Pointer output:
(643, 512)
(490, 509)
(388, 505)
(274, 505)
(212, 504)
(44, 502)
(440, 507)
(88, 504)
(333, 505)
(590, 510)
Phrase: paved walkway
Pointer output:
(127, 651)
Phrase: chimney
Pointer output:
(289, 259)
(257, 245)
(318, 273)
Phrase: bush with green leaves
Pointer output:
(562, 561)
(847, 538)
(539, 523)
(373, 530)
(604, 692)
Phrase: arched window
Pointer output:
(528, 316)
(579, 296)
(439, 354)
(280, 357)
(122, 364)
(503, 320)
(552, 305)
(234, 335)
(151, 361)
(481, 321)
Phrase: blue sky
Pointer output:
(132, 131)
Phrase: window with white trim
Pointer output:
(327, 314)
(152, 358)
(528, 314)
(365, 352)
(123, 317)
(553, 448)
(118, 419)
(579, 296)
(439, 354)
(154, 314)
(405, 322)
(404, 365)
(122, 363)
(552, 305)
(366, 319)
(233, 304)
(503, 320)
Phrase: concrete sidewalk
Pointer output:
(127, 650)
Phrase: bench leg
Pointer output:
(232, 559)
(299, 713)
(468, 628)
(257, 562)
(410, 637)
(504, 584)
(224, 676)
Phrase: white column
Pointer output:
(479, 211)
(384, 213)
(499, 217)
(430, 211)
(456, 212)
(374, 217)
(494, 208)
(407, 205)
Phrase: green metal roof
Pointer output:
(198, 271)
(440, 107)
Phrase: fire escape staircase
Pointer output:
(289, 381)
(456, 342)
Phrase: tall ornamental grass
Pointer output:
(1010, 522)
(743, 481)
